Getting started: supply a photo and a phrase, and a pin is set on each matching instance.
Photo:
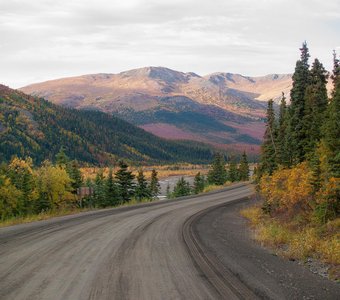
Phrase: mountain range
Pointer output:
(31, 126)
(223, 109)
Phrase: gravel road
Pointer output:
(125, 253)
(149, 251)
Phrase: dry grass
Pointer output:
(212, 187)
(298, 243)
(164, 171)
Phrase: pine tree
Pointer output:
(154, 184)
(268, 147)
(168, 192)
(199, 183)
(72, 169)
(182, 188)
(61, 157)
(126, 186)
(142, 190)
(110, 191)
(217, 174)
(244, 168)
(316, 101)
(99, 189)
(297, 107)
(233, 174)
(282, 141)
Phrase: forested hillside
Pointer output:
(31, 126)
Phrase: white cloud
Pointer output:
(49, 39)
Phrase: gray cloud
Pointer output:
(46, 39)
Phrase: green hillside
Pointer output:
(34, 127)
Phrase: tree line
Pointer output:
(299, 170)
(218, 175)
(26, 190)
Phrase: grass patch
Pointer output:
(309, 241)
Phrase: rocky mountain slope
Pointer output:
(223, 109)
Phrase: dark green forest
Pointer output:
(33, 127)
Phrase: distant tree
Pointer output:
(244, 168)
(61, 157)
(182, 188)
(199, 183)
(154, 184)
(168, 192)
(217, 173)
(99, 189)
(110, 190)
(142, 190)
(233, 174)
(73, 170)
(282, 141)
(125, 183)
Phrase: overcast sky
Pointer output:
(47, 39)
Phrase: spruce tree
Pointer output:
(233, 174)
(268, 147)
(142, 190)
(316, 101)
(199, 183)
(125, 183)
(110, 190)
(61, 157)
(297, 107)
(244, 168)
(217, 174)
(182, 188)
(73, 170)
(99, 189)
(154, 184)
(282, 141)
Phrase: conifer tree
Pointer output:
(99, 189)
(125, 183)
(268, 147)
(217, 174)
(142, 189)
(199, 183)
(297, 107)
(233, 174)
(168, 192)
(154, 184)
(244, 168)
(61, 157)
(282, 141)
(110, 191)
(182, 188)
(316, 101)
(72, 169)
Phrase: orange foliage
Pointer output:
(288, 189)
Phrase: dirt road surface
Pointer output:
(150, 251)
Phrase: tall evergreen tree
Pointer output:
(155, 187)
(125, 183)
(233, 174)
(61, 157)
(268, 147)
(199, 183)
(142, 190)
(282, 141)
(244, 168)
(110, 190)
(297, 107)
(73, 170)
(99, 189)
(217, 174)
(316, 101)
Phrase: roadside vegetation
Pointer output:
(29, 193)
(299, 173)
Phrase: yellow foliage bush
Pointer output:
(288, 189)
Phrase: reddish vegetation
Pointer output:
(171, 132)
(254, 129)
